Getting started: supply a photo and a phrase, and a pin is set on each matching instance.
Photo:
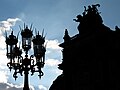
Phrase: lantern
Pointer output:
(17, 51)
(38, 46)
(26, 38)
(11, 42)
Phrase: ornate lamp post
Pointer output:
(25, 64)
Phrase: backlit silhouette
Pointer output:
(90, 58)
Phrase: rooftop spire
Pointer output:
(66, 36)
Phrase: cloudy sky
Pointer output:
(54, 16)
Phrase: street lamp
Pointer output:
(22, 64)
(26, 39)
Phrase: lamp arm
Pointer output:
(40, 73)
(10, 65)
(32, 60)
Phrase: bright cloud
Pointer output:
(52, 62)
(4, 85)
(3, 67)
(41, 87)
(2, 41)
(53, 51)
(4, 77)
(6, 25)
(53, 44)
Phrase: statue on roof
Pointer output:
(91, 9)
(79, 18)
(66, 36)
(94, 8)
(89, 20)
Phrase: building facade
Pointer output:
(91, 57)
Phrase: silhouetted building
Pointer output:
(90, 58)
